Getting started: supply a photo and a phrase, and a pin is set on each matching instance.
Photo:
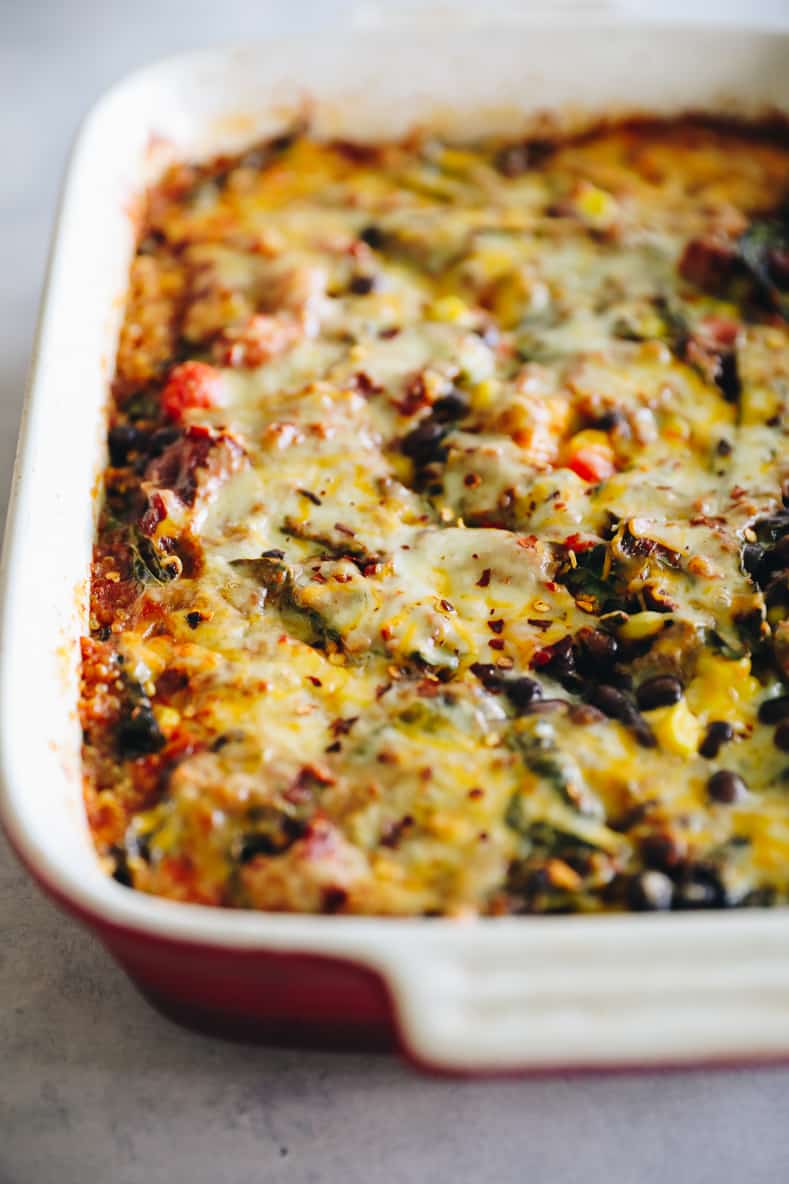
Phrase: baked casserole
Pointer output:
(442, 563)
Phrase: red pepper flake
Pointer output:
(155, 513)
(381, 691)
(316, 682)
(365, 384)
(341, 727)
(476, 793)
(496, 626)
(472, 480)
(446, 606)
(484, 579)
(335, 747)
(497, 643)
(316, 773)
(346, 530)
(576, 542)
(415, 397)
(538, 624)
(527, 541)
(551, 585)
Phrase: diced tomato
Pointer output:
(192, 384)
(578, 543)
(591, 464)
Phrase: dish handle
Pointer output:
(522, 1000)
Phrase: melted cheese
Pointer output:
(458, 462)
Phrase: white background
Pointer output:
(95, 1088)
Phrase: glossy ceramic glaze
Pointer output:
(512, 994)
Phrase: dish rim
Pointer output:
(395, 948)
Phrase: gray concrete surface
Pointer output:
(95, 1088)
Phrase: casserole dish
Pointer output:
(503, 994)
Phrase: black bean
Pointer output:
(726, 787)
(661, 691)
(423, 444)
(772, 711)
(362, 285)
(723, 448)
(452, 406)
(700, 887)
(373, 236)
(138, 733)
(718, 733)
(727, 377)
(561, 663)
(650, 891)
(162, 438)
(258, 844)
(490, 676)
(753, 556)
(781, 552)
(521, 691)
(123, 439)
(595, 651)
(662, 850)
(610, 701)
(781, 736)
(610, 420)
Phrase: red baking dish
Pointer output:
(492, 995)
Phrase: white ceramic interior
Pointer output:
(490, 994)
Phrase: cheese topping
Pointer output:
(443, 561)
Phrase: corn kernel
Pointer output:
(596, 207)
(588, 438)
(676, 428)
(642, 625)
(167, 718)
(676, 728)
(721, 688)
(450, 309)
